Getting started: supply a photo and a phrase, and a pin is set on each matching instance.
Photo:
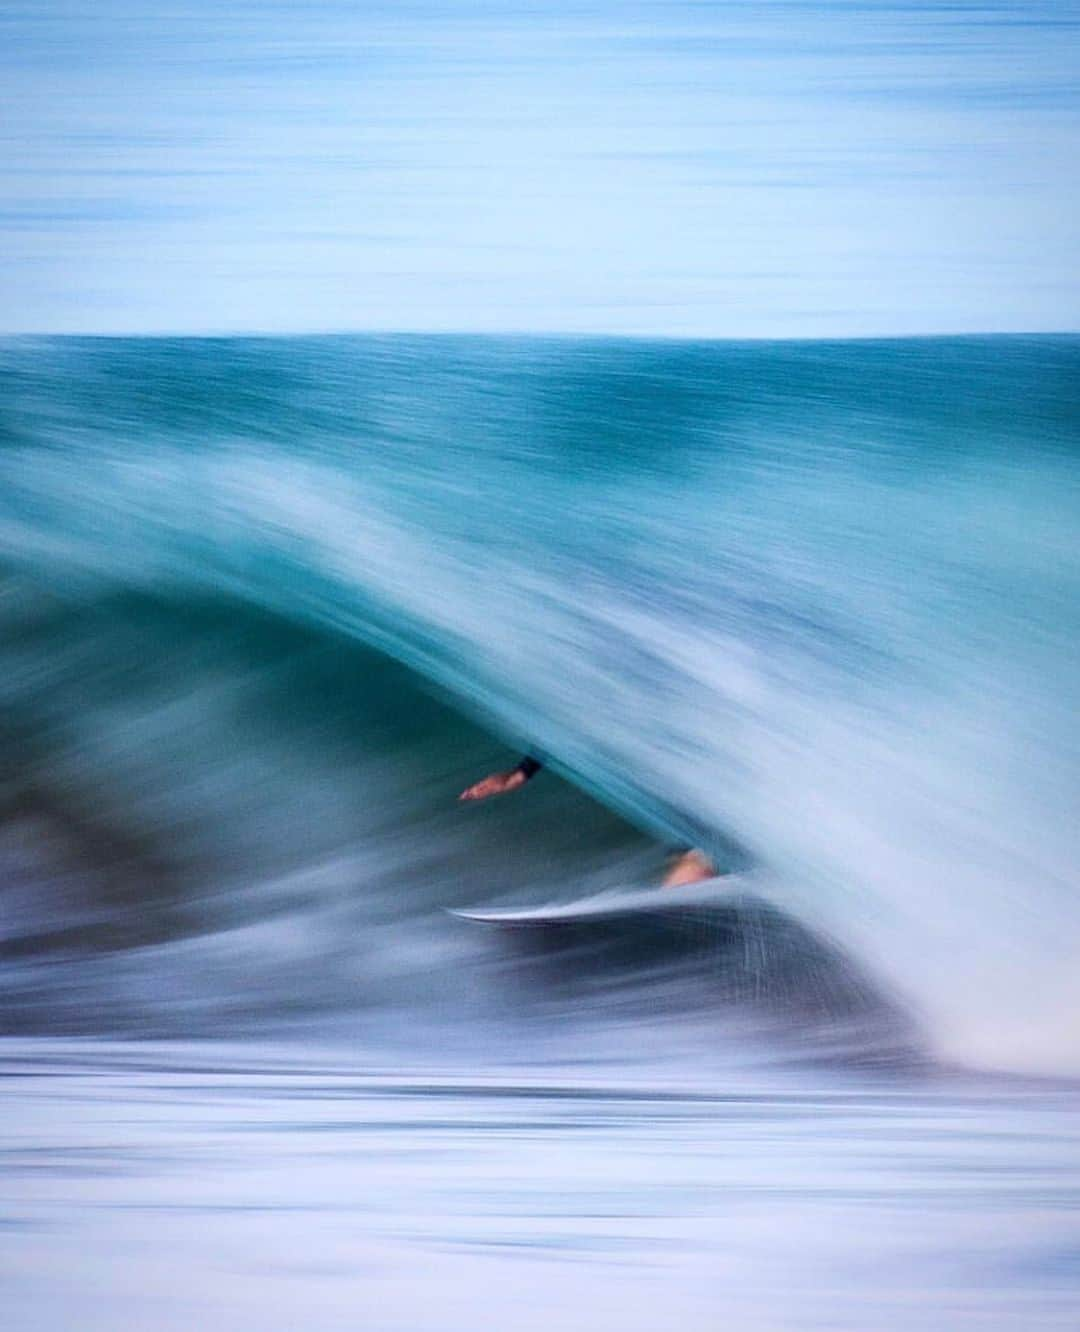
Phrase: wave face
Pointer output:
(268, 605)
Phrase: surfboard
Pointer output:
(618, 904)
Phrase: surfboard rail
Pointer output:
(612, 905)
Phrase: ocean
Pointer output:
(269, 604)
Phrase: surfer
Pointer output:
(688, 865)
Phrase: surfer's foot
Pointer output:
(689, 867)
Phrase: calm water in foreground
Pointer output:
(174, 1186)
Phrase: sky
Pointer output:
(711, 168)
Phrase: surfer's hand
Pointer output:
(497, 784)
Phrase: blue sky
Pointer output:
(730, 169)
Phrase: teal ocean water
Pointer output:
(267, 606)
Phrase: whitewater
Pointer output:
(268, 605)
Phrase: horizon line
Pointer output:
(553, 334)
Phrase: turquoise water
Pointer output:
(269, 605)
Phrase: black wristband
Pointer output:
(529, 766)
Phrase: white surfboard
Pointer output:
(723, 892)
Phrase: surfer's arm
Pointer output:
(499, 783)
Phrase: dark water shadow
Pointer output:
(744, 956)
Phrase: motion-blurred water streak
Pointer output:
(167, 1186)
(269, 604)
